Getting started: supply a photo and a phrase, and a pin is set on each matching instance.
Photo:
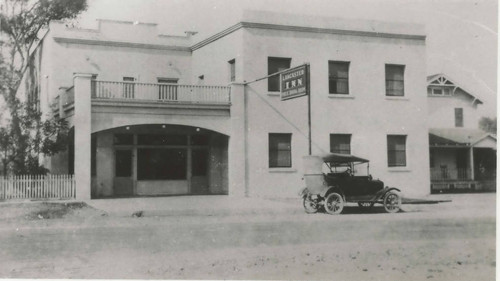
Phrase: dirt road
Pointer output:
(371, 246)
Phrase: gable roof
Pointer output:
(440, 79)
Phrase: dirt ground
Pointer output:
(426, 243)
(473, 260)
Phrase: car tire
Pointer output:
(310, 206)
(334, 203)
(392, 202)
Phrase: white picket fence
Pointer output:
(37, 187)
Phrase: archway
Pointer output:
(159, 159)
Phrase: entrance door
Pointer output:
(123, 183)
(199, 171)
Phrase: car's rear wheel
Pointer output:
(310, 205)
(392, 202)
(334, 203)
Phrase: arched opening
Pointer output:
(158, 159)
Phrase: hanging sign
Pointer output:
(294, 82)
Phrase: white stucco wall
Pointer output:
(110, 62)
(211, 61)
(367, 114)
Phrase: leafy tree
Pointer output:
(24, 134)
(488, 124)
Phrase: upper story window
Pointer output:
(338, 77)
(396, 150)
(340, 143)
(232, 70)
(394, 80)
(167, 92)
(128, 87)
(439, 91)
(459, 117)
(167, 80)
(275, 65)
(280, 150)
(93, 88)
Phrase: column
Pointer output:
(62, 100)
(237, 143)
(471, 160)
(82, 122)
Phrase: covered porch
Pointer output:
(462, 160)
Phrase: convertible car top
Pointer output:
(337, 158)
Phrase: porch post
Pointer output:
(237, 154)
(82, 121)
(471, 159)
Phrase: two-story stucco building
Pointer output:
(155, 115)
(462, 157)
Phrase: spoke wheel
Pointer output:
(392, 202)
(310, 205)
(334, 204)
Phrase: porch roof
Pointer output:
(454, 137)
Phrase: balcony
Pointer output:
(167, 93)
(114, 104)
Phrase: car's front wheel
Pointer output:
(310, 205)
(392, 202)
(334, 203)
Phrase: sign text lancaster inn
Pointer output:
(293, 83)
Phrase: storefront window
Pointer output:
(199, 164)
(123, 139)
(161, 164)
(123, 163)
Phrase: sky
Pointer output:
(461, 34)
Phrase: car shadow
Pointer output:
(356, 210)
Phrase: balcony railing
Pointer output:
(447, 174)
(160, 92)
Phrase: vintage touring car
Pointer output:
(332, 180)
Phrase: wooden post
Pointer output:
(471, 159)
(308, 91)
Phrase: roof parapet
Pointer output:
(117, 33)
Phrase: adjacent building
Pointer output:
(154, 114)
(462, 157)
